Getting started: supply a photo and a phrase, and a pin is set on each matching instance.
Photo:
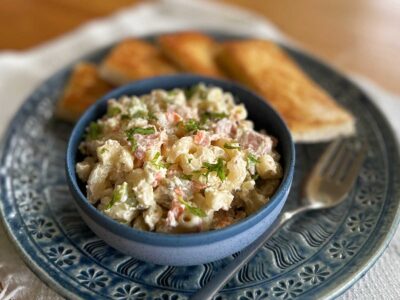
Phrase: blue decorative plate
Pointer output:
(318, 255)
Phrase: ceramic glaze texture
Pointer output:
(316, 256)
(181, 256)
(186, 249)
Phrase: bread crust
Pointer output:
(311, 114)
(84, 87)
(191, 51)
(134, 59)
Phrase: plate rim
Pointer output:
(331, 291)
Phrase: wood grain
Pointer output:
(361, 36)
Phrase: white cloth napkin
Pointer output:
(21, 72)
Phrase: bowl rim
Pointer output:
(173, 239)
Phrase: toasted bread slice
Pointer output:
(83, 88)
(192, 51)
(132, 60)
(311, 114)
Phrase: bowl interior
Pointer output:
(263, 116)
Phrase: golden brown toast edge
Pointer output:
(191, 51)
(83, 88)
(134, 59)
(264, 67)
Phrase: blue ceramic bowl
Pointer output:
(184, 249)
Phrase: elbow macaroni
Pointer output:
(178, 161)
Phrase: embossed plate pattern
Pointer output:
(317, 255)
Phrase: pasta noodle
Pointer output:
(178, 161)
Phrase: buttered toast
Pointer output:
(84, 87)
(134, 59)
(310, 112)
(191, 51)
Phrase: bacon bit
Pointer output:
(172, 171)
(198, 186)
(178, 191)
(147, 141)
(177, 117)
(173, 214)
(225, 128)
(140, 154)
(257, 142)
(173, 117)
(157, 179)
(202, 138)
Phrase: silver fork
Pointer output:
(328, 185)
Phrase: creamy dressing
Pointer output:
(178, 161)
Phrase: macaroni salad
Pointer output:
(178, 161)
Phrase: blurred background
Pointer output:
(358, 36)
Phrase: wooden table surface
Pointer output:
(360, 36)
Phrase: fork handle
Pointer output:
(223, 276)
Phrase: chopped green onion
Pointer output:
(131, 139)
(192, 209)
(120, 192)
(158, 164)
(231, 146)
(140, 130)
(219, 167)
(252, 159)
(191, 125)
(113, 111)
(94, 131)
(156, 156)
(213, 116)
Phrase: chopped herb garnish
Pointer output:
(120, 192)
(251, 158)
(192, 209)
(159, 164)
(212, 116)
(137, 130)
(129, 136)
(94, 131)
(190, 160)
(255, 176)
(219, 167)
(155, 158)
(140, 130)
(113, 111)
(191, 125)
(133, 142)
(231, 146)
(103, 150)
(125, 117)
